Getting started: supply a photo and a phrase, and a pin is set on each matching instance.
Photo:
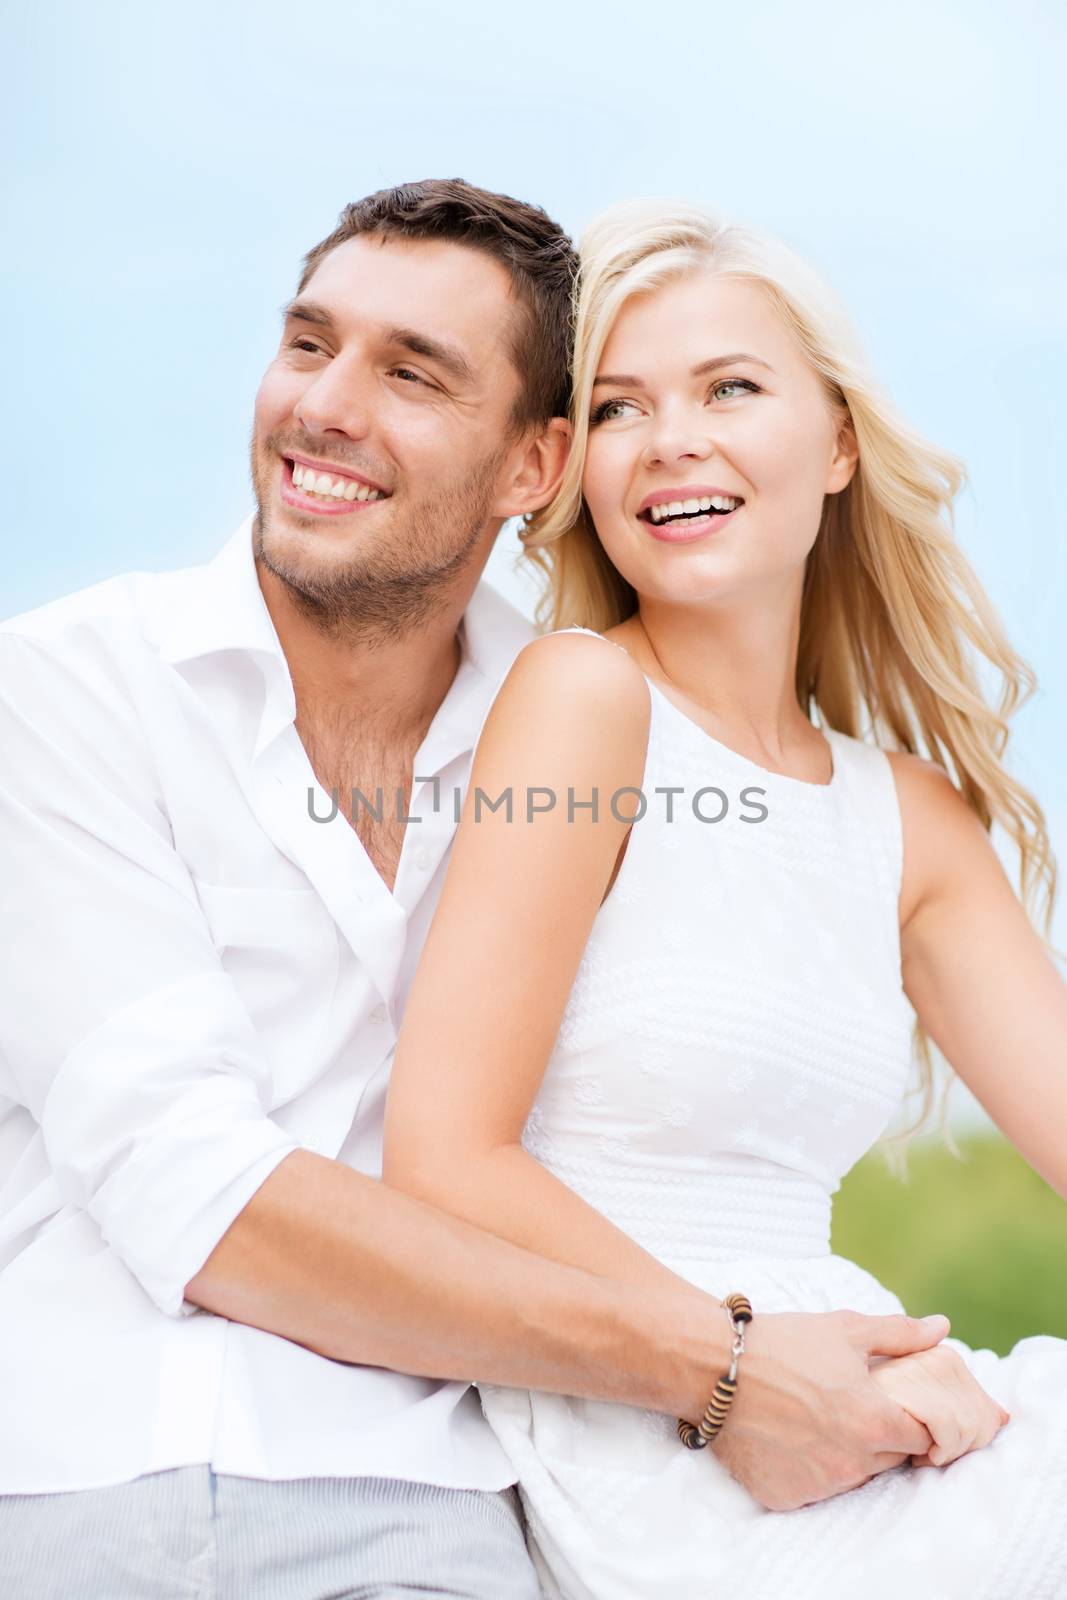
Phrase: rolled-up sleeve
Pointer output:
(126, 1039)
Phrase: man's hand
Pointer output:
(809, 1419)
(939, 1390)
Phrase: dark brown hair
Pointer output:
(534, 250)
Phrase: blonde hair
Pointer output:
(889, 603)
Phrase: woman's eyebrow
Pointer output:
(728, 361)
(621, 379)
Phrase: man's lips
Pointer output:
(331, 470)
(323, 505)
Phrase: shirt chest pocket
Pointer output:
(281, 949)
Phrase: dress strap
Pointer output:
(575, 628)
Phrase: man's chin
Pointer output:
(286, 531)
(321, 570)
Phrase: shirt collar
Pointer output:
(221, 607)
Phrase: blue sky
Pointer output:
(175, 162)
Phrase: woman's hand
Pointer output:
(938, 1389)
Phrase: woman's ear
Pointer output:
(539, 463)
(846, 456)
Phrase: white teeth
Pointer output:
(331, 488)
(689, 508)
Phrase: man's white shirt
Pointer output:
(200, 978)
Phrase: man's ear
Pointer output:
(846, 457)
(535, 470)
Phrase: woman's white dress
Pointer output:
(736, 1038)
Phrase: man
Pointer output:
(209, 1306)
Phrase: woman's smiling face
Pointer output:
(703, 392)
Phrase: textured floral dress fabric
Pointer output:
(737, 1037)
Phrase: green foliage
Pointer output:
(982, 1239)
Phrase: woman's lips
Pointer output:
(316, 503)
(692, 528)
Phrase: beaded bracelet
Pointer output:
(739, 1310)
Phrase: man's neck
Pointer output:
(353, 678)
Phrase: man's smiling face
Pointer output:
(382, 427)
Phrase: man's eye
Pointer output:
(306, 344)
(411, 377)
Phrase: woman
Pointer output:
(655, 1046)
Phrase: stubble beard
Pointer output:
(384, 594)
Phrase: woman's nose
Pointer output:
(676, 437)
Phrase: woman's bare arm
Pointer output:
(573, 715)
(976, 972)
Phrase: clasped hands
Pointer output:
(829, 1400)
(938, 1389)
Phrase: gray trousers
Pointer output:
(192, 1534)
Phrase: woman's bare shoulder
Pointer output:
(943, 837)
(570, 701)
(579, 673)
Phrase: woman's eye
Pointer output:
(735, 383)
(609, 411)
(612, 410)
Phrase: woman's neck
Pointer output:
(735, 671)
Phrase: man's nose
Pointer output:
(338, 400)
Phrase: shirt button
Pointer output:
(310, 1141)
(379, 1014)
(423, 859)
